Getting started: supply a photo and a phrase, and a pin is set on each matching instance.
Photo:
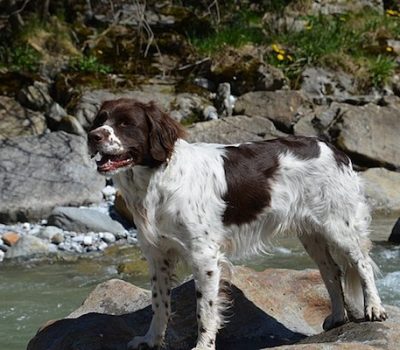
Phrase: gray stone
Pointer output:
(17, 121)
(49, 232)
(40, 173)
(284, 108)
(27, 246)
(57, 238)
(1, 255)
(188, 107)
(71, 125)
(35, 96)
(107, 237)
(233, 130)
(83, 220)
(371, 132)
(90, 101)
(382, 190)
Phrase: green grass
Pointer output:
(88, 65)
(243, 28)
(19, 58)
(355, 43)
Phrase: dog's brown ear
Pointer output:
(164, 131)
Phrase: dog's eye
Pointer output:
(124, 123)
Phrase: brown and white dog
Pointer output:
(193, 200)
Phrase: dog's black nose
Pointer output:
(96, 136)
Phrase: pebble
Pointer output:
(56, 239)
(87, 240)
(107, 237)
(11, 238)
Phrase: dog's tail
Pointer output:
(353, 292)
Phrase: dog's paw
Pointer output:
(332, 322)
(142, 343)
(375, 313)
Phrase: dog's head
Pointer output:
(127, 132)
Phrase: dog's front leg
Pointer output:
(161, 269)
(206, 272)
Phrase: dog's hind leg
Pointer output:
(317, 248)
(207, 273)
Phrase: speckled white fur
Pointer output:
(178, 209)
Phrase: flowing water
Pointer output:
(34, 293)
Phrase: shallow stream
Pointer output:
(33, 293)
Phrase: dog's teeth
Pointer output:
(97, 157)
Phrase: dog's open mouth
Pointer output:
(111, 162)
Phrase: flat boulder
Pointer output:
(382, 190)
(39, 173)
(84, 220)
(371, 133)
(234, 129)
(283, 107)
(276, 307)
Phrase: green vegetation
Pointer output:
(356, 43)
(88, 65)
(242, 28)
(19, 58)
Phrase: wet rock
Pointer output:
(83, 220)
(17, 121)
(395, 234)
(57, 239)
(371, 133)
(382, 189)
(275, 307)
(40, 173)
(36, 96)
(27, 246)
(233, 130)
(10, 238)
(90, 101)
(284, 108)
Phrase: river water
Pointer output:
(34, 293)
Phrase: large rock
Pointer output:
(395, 234)
(113, 297)
(84, 220)
(17, 121)
(270, 308)
(283, 107)
(27, 246)
(371, 133)
(233, 130)
(91, 100)
(382, 189)
(40, 173)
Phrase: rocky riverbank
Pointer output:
(273, 308)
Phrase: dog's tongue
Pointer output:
(111, 162)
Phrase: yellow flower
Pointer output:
(276, 48)
(309, 26)
(392, 12)
(290, 58)
(280, 57)
(389, 49)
